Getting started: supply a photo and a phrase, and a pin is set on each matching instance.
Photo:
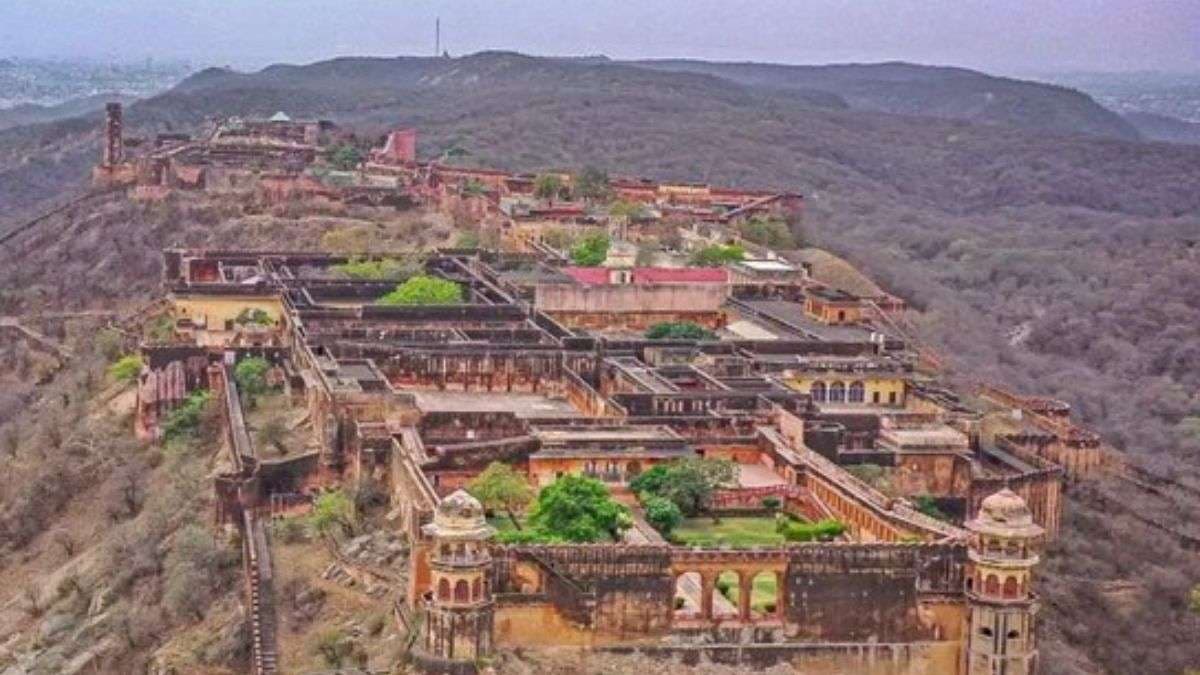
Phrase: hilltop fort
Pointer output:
(596, 330)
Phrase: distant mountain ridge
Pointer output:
(935, 91)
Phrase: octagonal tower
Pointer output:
(1003, 552)
(458, 609)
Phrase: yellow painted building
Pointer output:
(851, 388)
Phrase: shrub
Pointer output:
(333, 510)
(679, 330)
(822, 530)
(108, 343)
(662, 514)
(126, 369)
(769, 232)
(185, 419)
(716, 256)
(424, 290)
(591, 250)
(251, 376)
(928, 505)
(375, 270)
(253, 316)
(772, 503)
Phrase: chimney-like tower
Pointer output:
(114, 141)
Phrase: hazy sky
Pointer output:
(995, 35)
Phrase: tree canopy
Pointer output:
(678, 330)
(578, 509)
(688, 483)
(126, 369)
(251, 375)
(425, 290)
(500, 487)
(591, 250)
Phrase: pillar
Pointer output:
(708, 586)
(745, 586)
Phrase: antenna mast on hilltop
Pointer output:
(437, 36)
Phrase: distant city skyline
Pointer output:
(1006, 38)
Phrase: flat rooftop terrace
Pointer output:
(529, 406)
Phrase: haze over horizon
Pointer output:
(1070, 35)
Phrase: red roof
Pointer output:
(652, 275)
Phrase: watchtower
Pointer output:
(1002, 554)
(114, 139)
(458, 608)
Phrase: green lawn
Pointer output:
(736, 531)
(762, 590)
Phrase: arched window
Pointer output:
(857, 392)
(992, 585)
(477, 590)
(817, 391)
(837, 392)
(1010, 587)
(443, 590)
(462, 591)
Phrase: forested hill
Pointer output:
(935, 91)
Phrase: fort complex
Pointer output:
(816, 395)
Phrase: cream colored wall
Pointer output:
(871, 385)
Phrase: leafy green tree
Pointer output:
(548, 186)
(185, 419)
(662, 514)
(679, 330)
(251, 376)
(333, 511)
(591, 250)
(424, 290)
(500, 487)
(688, 483)
(126, 369)
(345, 157)
(592, 184)
(651, 481)
(718, 255)
(578, 509)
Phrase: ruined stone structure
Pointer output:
(423, 398)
